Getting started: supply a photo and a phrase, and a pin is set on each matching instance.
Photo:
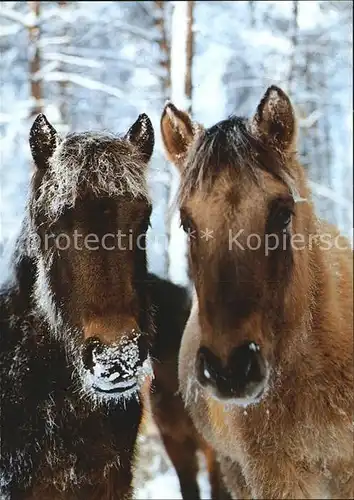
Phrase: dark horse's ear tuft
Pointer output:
(141, 134)
(43, 139)
(275, 120)
(177, 130)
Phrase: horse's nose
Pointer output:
(243, 376)
(112, 369)
(129, 347)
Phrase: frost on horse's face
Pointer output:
(89, 213)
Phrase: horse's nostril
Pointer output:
(143, 345)
(90, 345)
(242, 376)
(246, 364)
(207, 367)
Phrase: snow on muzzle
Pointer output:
(118, 369)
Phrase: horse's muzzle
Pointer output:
(244, 378)
(117, 369)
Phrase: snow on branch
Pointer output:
(320, 190)
(55, 40)
(27, 20)
(75, 60)
(9, 30)
(47, 68)
(84, 81)
(111, 55)
(89, 83)
(310, 120)
(150, 35)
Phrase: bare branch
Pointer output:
(55, 40)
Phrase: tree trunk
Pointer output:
(294, 43)
(188, 86)
(35, 61)
(251, 6)
(63, 84)
(178, 248)
(164, 64)
(164, 46)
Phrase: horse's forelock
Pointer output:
(101, 164)
(230, 145)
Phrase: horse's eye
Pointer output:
(187, 224)
(283, 218)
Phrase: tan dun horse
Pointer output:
(266, 360)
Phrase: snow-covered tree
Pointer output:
(99, 64)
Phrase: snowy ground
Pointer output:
(155, 476)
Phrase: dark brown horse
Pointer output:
(75, 319)
(266, 361)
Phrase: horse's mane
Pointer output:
(90, 162)
(229, 144)
(83, 162)
(17, 252)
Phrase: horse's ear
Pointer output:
(177, 132)
(43, 139)
(141, 134)
(274, 120)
